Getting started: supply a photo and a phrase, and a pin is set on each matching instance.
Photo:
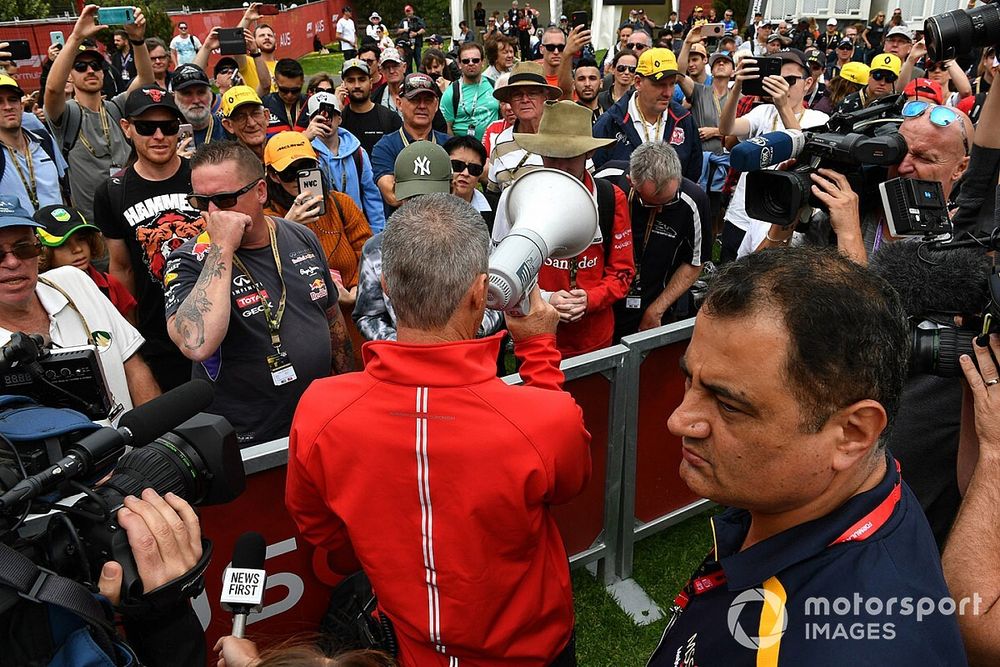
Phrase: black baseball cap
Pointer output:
(143, 99)
(188, 75)
(792, 56)
(225, 63)
(59, 222)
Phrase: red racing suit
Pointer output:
(435, 477)
(604, 271)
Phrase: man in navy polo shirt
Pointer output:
(418, 102)
(824, 556)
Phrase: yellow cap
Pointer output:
(238, 96)
(285, 148)
(657, 63)
(8, 82)
(888, 62)
(855, 72)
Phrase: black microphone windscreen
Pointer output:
(151, 420)
(249, 551)
(935, 281)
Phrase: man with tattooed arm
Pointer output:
(250, 300)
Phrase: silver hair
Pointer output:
(433, 247)
(656, 162)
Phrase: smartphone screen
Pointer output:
(186, 131)
(268, 10)
(311, 182)
(232, 42)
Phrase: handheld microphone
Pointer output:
(136, 427)
(767, 150)
(243, 581)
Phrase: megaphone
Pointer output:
(552, 215)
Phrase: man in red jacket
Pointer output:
(432, 474)
(582, 288)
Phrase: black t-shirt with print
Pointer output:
(153, 218)
(370, 127)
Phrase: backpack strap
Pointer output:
(456, 94)
(357, 166)
(605, 211)
(73, 122)
(48, 143)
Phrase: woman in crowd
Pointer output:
(852, 78)
(952, 80)
(342, 228)
(433, 63)
(468, 160)
(874, 34)
(623, 68)
(500, 55)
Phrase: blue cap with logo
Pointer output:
(12, 214)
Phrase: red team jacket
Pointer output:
(604, 271)
(435, 476)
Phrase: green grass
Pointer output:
(605, 635)
(315, 63)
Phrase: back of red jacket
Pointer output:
(436, 476)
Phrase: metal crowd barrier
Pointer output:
(626, 392)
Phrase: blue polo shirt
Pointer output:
(388, 147)
(810, 596)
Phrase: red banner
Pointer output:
(294, 31)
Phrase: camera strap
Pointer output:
(39, 585)
(73, 307)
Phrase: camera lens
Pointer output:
(776, 196)
(957, 32)
(936, 351)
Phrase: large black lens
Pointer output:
(936, 351)
(776, 196)
(957, 32)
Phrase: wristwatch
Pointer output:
(254, 55)
(137, 42)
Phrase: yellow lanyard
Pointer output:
(406, 142)
(105, 128)
(29, 183)
(777, 117)
(717, 101)
(273, 321)
(211, 125)
(645, 129)
(72, 306)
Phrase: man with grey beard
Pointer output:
(194, 98)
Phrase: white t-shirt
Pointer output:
(186, 48)
(117, 339)
(348, 41)
(763, 119)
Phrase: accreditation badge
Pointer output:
(281, 369)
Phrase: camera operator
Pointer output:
(976, 201)
(165, 539)
(65, 305)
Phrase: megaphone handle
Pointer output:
(523, 307)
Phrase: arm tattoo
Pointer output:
(190, 321)
(340, 341)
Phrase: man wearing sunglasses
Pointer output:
(251, 300)
(86, 127)
(285, 106)
(144, 215)
(34, 306)
(468, 105)
(882, 78)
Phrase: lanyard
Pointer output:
(211, 125)
(406, 142)
(717, 101)
(475, 102)
(73, 307)
(30, 185)
(638, 252)
(273, 321)
(645, 128)
(105, 128)
(777, 117)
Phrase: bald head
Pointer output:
(936, 153)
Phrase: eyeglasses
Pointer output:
(882, 75)
(471, 61)
(791, 80)
(158, 57)
(939, 115)
(621, 69)
(458, 166)
(291, 172)
(846, 47)
(369, 62)
(84, 65)
(241, 116)
(148, 128)
(554, 47)
(290, 90)
(221, 200)
(636, 46)
(225, 72)
(25, 250)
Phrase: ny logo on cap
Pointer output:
(422, 166)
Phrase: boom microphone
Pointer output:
(243, 581)
(935, 281)
(138, 426)
(767, 150)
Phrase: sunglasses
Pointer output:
(290, 90)
(471, 61)
(291, 172)
(224, 200)
(636, 46)
(148, 128)
(457, 166)
(882, 75)
(84, 65)
(225, 72)
(791, 80)
(621, 69)
(554, 47)
(939, 115)
(26, 250)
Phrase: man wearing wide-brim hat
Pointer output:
(650, 114)
(582, 288)
(526, 92)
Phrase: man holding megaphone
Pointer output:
(583, 287)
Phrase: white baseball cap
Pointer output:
(374, 16)
(322, 97)
(831, 21)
